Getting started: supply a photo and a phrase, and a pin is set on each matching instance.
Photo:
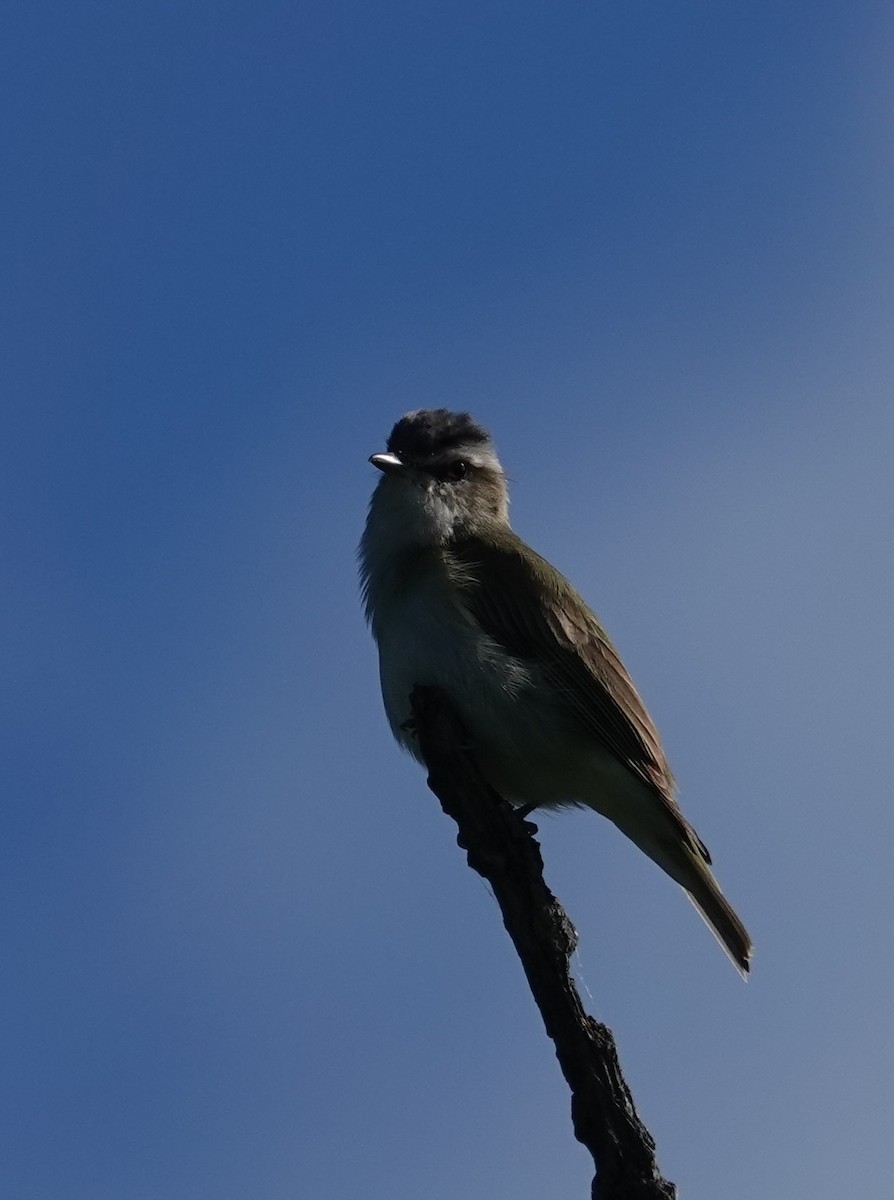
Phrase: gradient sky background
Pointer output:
(651, 246)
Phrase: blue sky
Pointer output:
(650, 246)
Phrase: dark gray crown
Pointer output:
(433, 431)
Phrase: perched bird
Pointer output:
(457, 601)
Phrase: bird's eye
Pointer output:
(452, 472)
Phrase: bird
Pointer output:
(457, 601)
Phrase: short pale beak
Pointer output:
(389, 463)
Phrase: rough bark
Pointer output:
(501, 847)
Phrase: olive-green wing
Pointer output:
(530, 609)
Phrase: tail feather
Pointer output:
(685, 862)
(720, 918)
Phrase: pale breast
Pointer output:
(518, 734)
(426, 639)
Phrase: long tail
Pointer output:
(686, 860)
(704, 892)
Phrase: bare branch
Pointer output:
(501, 847)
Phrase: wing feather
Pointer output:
(532, 611)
